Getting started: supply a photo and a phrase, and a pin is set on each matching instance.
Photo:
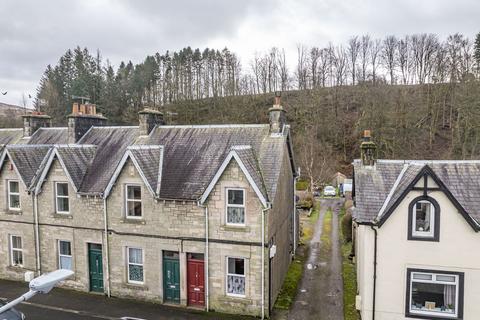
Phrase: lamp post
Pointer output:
(41, 284)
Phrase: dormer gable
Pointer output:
(421, 177)
(75, 160)
(148, 161)
(246, 160)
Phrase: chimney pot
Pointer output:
(75, 108)
(278, 98)
(277, 116)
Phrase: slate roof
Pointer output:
(249, 159)
(29, 161)
(49, 136)
(10, 136)
(193, 154)
(177, 162)
(376, 187)
(149, 160)
(111, 142)
(76, 159)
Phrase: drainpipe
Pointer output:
(206, 256)
(37, 233)
(374, 271)
(107, 251)
(294, 216)
(263, 258)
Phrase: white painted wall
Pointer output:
(458, 250)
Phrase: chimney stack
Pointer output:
(277, 116)
(82, 118)
(32, 122)
(368, 149)
(148, 119)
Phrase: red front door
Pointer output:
(196, 279)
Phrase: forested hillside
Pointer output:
(419, 94)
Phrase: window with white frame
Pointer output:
(64, 255)
(236, 206)
(135, 265)
(61, 197)
(13, 195)
(133, 203)
(423, 219)
(236, 276)
(16, 250)
(435, 294)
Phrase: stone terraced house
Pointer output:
(198, 216)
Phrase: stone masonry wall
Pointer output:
(83, 225)
(281, 227)
(25, 229)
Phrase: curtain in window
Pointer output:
(236, 285)
(426, 226)
(66, 262)
(236, 215)
(449, 296)
(135, 256)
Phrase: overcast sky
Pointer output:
(36, 33)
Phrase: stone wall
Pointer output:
(280, 227)
(24, 229)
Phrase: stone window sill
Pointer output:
(233, 299)
(14, 212)
(17, 269)
(133, 221)
(62, 215)
(135, 286)
(235, 228)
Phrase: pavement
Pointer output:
(62, 304)
(320, 294)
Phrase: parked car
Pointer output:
(316, 193)
(11, 314)
(329, 191)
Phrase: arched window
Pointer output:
(424, 219)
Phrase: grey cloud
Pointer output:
(36, 33)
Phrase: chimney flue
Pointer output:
(368, 149)
(148, 119)
(277, 116)
(83, 117)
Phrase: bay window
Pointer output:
(434, 294)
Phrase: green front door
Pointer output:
(171, 277)
(95, 266)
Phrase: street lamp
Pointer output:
(42, 284)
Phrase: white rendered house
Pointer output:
(417, 244)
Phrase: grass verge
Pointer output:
(349, 277)
(327, 230)
(295, 271)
